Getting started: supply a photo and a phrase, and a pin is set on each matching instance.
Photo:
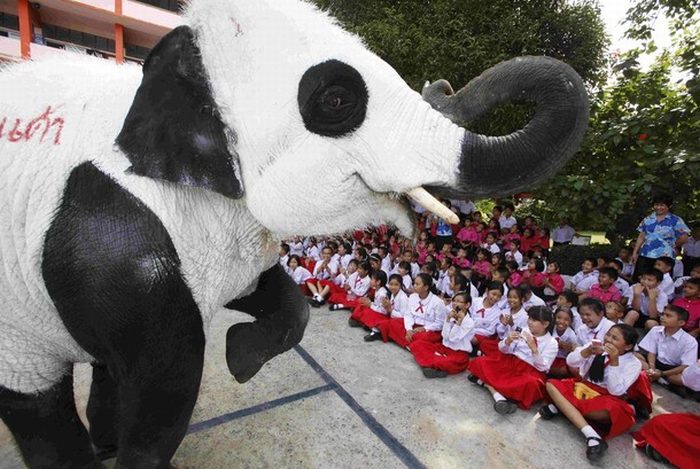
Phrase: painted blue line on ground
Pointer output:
(207, 424)
(403, 453)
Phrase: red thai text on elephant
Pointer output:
(46, 127)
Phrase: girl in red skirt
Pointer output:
(607, 371)
(566, 339)
(451, 356)
(513, 317)
(422, 319)
(516, 376)
(673, 438)
(368, 312)
(395, 303)
(356, 287)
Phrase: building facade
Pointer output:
(119, 30)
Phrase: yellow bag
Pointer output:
(583, 392)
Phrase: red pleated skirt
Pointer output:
(332, 286)
(675, 436)
(621, 413)
(367, 316)
(394, 330)
(436, 355)
(512, 377)
(341, 298)
(487, 344)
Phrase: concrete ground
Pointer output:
(338, 402)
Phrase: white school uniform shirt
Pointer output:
(616, 379)
(376, 305)
(568, 336)
(386, 264)
(323, 274)
(407, 281)
(691, 376)
(283, 262)
(507, 222)
(503, 302)
(399, 304)
(336, 258)
(485, 319)
(577, 319)
(359, 286)
(340, 280)
(519, 320)
(458, 336)
(296, 249)
(429, 312)
(563, 234)
(444, 286)
(494, 249)
(300, 275)
(678, 349)
(547, 349)
(624, 287)
(314, 253)
(661, 301)
(585, 334)
(590, 278)
(667, 287)
(473, 292)
(514, 256)
(534, 300)
(415, 269)
(627, 268)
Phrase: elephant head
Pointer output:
(274, 102)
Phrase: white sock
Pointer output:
(318, 297)
(553, 408)
(340, 306)
(497, 396)
(374, 329)
(588, 432)
(479, 382)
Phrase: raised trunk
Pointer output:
(495, 166)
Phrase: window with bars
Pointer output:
(171, 5)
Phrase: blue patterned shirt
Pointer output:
(660, 236)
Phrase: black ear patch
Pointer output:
(174, 131)
(332, 99)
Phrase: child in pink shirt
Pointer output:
(690, 301)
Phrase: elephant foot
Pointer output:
(249, 345)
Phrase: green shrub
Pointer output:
(570, 257)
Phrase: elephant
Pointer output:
(137, 201)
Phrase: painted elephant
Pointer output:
(137, 201)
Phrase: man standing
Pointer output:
(563, 234)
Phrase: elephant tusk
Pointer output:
(430, 203)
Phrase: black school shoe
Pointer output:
(546, 413)
(594, 453)
(653, 454)
(372, 336)
(433, 373)
(505, 407)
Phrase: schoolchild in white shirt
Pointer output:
(370, 312)
(296, 247)
(608, 370)
(404, 271)
(569, 300)
(595, 324)
(566, 339)
(665, 264)
(325, 269)
(513, 317)
(298, 273)
(647, 301)
(516, 376)
(345, 254)
(451, 355)
(485, 313)
(394, 304)
(666, 350)
(356, 287)
(284, 256)
(586, 277)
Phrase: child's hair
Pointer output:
(542, 314)
(656, 273)
(461, 283)
(595, 304)
(597, 371)
(405, 266)
(618, 306)
(364, 265)
(525, 289)
(396, 277)
(518, 292)
(629, 333)
(285, 248)
(670, 263)
(327, 248)
(383, 250)
(693, 280)
(592, 260)
(362, 253)
(465, 296)
(681, 312)
(295, 257)
(503, 272)
(610, 272)
(606, 259)
(556, 265)
(516, 242)
(570, 296)
(494, 286)
(447, 261)
(512, 266)
(539, 264)
(485, 252)
(568, 312)
(427, 280)
(354, 261)
(380, 276)
(618, 263)
(347, 246)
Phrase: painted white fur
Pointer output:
(295, 182)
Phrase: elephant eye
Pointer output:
(332, 99)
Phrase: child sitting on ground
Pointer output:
(485, 312)
(607, 370)
(584, 280)
(394, 304)
(690, 301)
(357, 286)
(451, 356)
(553, 283)
(615, 312)
(369, 312)
(567, 342)
(515, 277)
(605, 290)
(516, 375)
(569, 300)
(665, 264)
(620, 283)
(666, 350)
(595, 324)
(647, 302)
(534, 277)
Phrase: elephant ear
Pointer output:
(173, 131)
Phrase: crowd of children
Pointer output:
(481, 297)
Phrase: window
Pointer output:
(172, 5)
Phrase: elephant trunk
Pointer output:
(503, 165)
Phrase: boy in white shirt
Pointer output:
(586, 278)
(665, 265)
(647, 301)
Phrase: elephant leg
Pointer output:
(102, 412)
(47, 428)
(281, 313)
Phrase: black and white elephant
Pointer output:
(136, 202)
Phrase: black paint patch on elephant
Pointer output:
(332, 99)
(174, 131)
(113, 273)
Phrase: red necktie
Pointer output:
(419, 309)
